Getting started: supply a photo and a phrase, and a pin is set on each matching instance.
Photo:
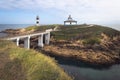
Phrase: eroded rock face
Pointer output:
(104, 53)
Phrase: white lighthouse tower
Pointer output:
(37, 21)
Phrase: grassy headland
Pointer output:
(21, 64)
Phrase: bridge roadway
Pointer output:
(27, 37)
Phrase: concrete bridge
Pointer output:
(26, 38)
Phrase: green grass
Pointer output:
(89, 35)
(83, 32)
(22, 64)
(40, 28)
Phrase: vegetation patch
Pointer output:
(22, 64)
(92, 41)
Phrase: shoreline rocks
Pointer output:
(78, 52)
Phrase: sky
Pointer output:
(56, 11)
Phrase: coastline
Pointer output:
(62, 60)
(72, 64)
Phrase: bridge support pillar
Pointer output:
(27, 42)
(17, 41)
(47, 38)
(40, 41)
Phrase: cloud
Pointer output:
(84, 10)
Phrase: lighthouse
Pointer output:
(37, 21)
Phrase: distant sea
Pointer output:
(12, 26)
(114, 26)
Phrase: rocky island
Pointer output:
(94, 44)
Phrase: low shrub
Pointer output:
(92, 41)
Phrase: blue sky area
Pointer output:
(56, 11)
